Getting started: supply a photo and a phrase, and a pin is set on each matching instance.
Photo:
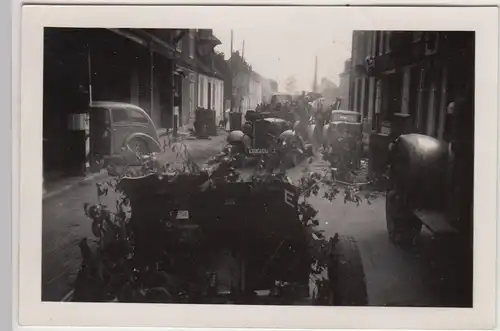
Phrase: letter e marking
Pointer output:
(289, 198)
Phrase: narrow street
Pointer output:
(394, 277)
(65, 224)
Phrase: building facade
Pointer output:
(344, 83)
(201, 84)
(411, 75)
(247, 90)
(254, 96)
(155, 69)
(84, 65)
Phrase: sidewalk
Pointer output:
(64, 223)
(199, 149)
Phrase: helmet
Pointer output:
(247, 128)
(288, 136)
(235, 136)
(238, 137)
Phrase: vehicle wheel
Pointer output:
(348, 283)
(138, 145)
(403, 227)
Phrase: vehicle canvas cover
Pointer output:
(266, 129)
(260, 219)
(345, 125)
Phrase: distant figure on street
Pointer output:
(337, 104)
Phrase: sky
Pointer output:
(276, 52)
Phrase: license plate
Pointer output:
(257, 151)
(183, 215)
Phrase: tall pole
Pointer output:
(89, 63)
(315, 82)
(231, 73)
(248, 76)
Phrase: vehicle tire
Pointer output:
(138, 145)
(402, 226)
(348, 283)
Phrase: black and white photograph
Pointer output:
(259, 165)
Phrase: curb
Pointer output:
(96, 176)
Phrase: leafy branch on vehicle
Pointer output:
(143, 260)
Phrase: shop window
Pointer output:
(201, 92)
(209, 96)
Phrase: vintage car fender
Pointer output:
(419, 166)
(325, 134)
(152, 143)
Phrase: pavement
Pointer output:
(64, 223)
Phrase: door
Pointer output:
(100, 135)
(209, 105)
(120, 129)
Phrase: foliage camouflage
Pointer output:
(122, 264)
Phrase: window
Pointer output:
(137, 116)
(191, 43)
(209, 96)
(119, 115)
(201, 92)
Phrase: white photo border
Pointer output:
(32, 312)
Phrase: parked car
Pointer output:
(342, 135)
(120, 129)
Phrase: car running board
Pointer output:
(436, 222)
